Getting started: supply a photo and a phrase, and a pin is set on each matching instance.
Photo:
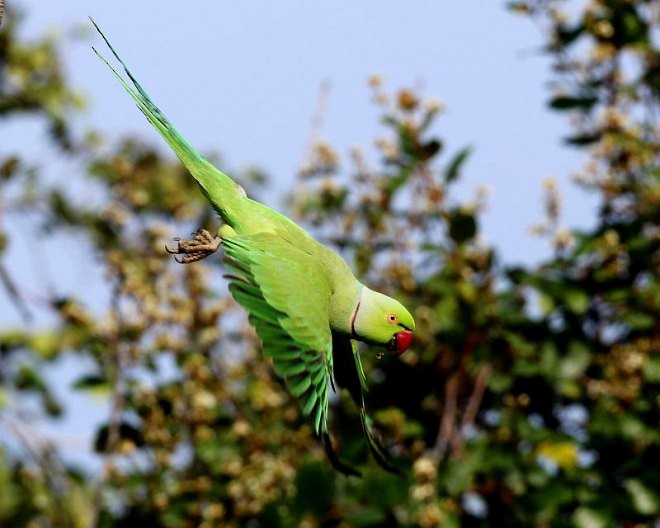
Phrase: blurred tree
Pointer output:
(530, 398)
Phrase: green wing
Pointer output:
(287, 296)
(288, 299)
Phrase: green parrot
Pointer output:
(302, 298)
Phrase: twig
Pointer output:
(41, 451)
(314, 132)
(457, 439)
(317, 117)
(448, 421)
(8, 283)
(472, 407)
(115, 367)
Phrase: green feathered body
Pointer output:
(301, 297)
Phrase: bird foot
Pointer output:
(201, 246)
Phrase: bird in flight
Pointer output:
(306, 305)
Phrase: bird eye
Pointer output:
(392, 319)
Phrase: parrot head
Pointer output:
(380, 320)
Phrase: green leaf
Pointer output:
(576, 360)
(313, 488)
(498, 382)
(125, 431)
(639, 321)
(567, 35)
(27, 379)
(645, 500)
(62, 208)
(429, 149)
(91, 382)
(398, 180)
(589, 518)
(4, 398)
(462, 225)
(580, 140)
(526, 369)
(453, 170)
(546, 303)
(566, 102)
(9, 167)
(577, 301)
(519, 7)
(458, 475)
(46, 344)
(549, 358)
(390, 490)
(633, 29)
(52, 406)
(651, 369)
(367, 516)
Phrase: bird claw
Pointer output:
(200, 246)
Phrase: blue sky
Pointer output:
(242, 78)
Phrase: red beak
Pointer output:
(403, 340)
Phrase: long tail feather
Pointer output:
(218, 188)
(377, 450)
(349, 374)
(334, 459)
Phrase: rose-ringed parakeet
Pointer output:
(305, 303)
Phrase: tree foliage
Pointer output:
(530, 397)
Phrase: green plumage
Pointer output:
(263, 279)
(302, 298)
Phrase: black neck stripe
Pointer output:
(354, 317)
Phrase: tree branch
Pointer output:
(448, 420)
